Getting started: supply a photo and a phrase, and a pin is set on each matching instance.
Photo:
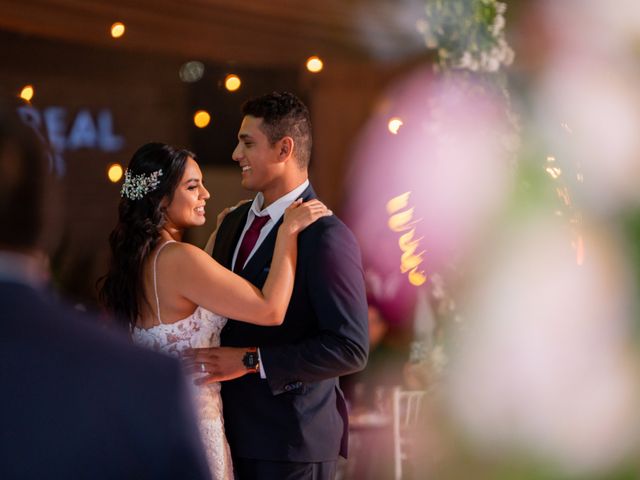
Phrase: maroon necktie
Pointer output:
(249, 241)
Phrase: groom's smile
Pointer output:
(259, 159)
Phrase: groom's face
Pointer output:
(258, 159)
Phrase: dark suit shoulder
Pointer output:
(103, 393)
(326, 231)
(79, 339)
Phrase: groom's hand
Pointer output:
(219, 363)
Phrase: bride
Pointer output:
(166, 292)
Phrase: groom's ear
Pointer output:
(286, 148)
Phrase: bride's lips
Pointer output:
(199, 210)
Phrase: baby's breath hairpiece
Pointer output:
(137, 186)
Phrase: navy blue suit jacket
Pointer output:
(298, 413)
(79, 402)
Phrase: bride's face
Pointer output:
(187, 206)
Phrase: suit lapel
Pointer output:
(261, 259)
(229, 234)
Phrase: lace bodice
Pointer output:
(200, 329)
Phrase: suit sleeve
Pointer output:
(337, 295)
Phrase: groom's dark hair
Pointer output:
(283, 114)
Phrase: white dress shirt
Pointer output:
(275, 211)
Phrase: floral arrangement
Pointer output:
(466, 34)
(470, 47)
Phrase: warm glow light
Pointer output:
(27, 93)
(201, 118)
(115, 172)
(408, 251)
(117, 30)
(400, 221)
(417, 278)
(394, 125)
(232, 82)
(555, 172)
(551, 159)
(398, 203)
(409, 261)
(406, 241)
(314, 64)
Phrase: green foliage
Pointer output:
(467, 34)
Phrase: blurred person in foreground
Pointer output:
(78, 402)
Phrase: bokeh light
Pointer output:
(117, 29)
(314, 64)
(115, 172)
(232, 82)
(394, 125)
(191, 71)
(201, 118)
(27, 92)
(444, 124)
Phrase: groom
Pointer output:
(285, 415)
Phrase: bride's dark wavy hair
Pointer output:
(138, 230)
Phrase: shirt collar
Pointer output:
(277, 208)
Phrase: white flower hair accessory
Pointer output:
(137, 186)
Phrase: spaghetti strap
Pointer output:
(155, 277)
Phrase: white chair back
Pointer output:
(407, 406)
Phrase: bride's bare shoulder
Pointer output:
(178, 252)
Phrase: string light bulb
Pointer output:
(232, 82)
(117, 29)
(314, 64)
(27, 92)
(115, 172)
(394, 125)
(201, 118)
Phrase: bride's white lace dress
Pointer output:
(200, 329)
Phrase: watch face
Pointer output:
(250, 360)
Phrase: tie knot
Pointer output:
(249, 241)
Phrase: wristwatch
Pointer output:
(251, 360)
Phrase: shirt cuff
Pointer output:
(263, 374)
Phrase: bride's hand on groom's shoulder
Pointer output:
(219, 219)
(218, 363)
(221, 216)
(299, 215)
